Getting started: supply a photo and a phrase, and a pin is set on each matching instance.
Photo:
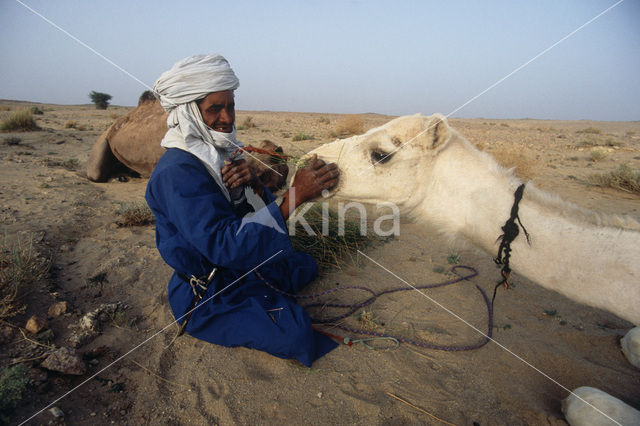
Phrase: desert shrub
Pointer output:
(591, 130)
(114, 116)
(612, 142)
(623, 178)
(302, 137)
(13, 385)
(630, 133)
(81, 128)
(5, 108)
(35, 110)
(101, 100)
(12, 140)
(135, 214)
(597, 155)
(589, 141)
(21, 121)
(504, 125)
(70, 124)
(146, 96)
(349, 125)
(329, 250)
(21, 266)
(248, 123)
(323, 120)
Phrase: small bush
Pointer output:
(21, 121)
(5, 108)
(135, 214)
(349, 126)
(35, 110)
(589, 141)
(21, 267)
(12, 140)
(630, 133)
(302, 137)
(71, 124)
(323, 120)
(623, 178)
(612, 142)
(113, 116)
(597, 155)
(248, 123)
(504, 125)
(13, 385)
(591, 130)
(101, 100)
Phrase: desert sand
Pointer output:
(44, 193)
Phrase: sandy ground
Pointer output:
(192, 382)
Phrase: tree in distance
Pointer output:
(100, 99)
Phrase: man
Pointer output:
(216, 222)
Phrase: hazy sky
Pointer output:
(390, 57)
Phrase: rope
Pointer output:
(353, 307)
(510, 231)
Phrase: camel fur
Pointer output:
(434, 175)
(132, 143)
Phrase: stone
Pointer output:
(58, 309)
(65, 361)
(36, 324)
(56, 412)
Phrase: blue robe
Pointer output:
(197, 230)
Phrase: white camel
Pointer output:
(434, 175)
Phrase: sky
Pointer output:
(330, 56)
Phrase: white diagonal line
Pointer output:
(489, 338)
(82, 43)
(500, 81)
(148, 339)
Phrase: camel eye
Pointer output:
(380, 157)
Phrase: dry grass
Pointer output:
(323, 120)
(525, 167)
(597, 155)
(622, 178)
(349, 126)
(591, 130)
(332, 249)
(71, 124)
(247, 123)
(19, 121)
(5, 108)
(21, 268)
(135, 214)
(303, 137)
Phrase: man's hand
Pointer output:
(238, 173)
(309, 183)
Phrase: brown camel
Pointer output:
(132, 143)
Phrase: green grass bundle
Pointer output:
(331, 249)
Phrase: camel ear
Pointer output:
(439, 131)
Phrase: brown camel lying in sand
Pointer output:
(133, 143)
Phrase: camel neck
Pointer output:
(570, 252)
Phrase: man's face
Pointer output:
(218, 111)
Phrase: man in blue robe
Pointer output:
(213, 216)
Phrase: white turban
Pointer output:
(194, 78)
(191, 79)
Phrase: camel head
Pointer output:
(388, 163)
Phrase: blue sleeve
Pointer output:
(191, 200)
